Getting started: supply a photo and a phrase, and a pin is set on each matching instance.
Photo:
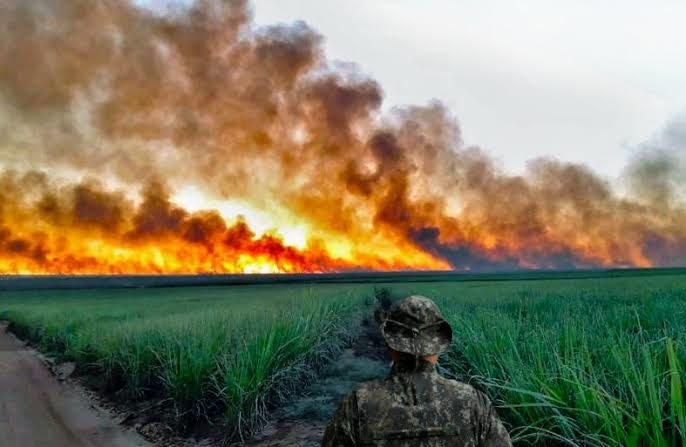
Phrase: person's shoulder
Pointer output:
(369, 387)
(461, 390)
(454, 385)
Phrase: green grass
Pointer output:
(213, 351)
(592, 361)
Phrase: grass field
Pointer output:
(579, 361)
(231, 351)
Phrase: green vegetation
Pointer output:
(574, 360)
(593, 362)
(212, 351)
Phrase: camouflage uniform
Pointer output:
(414, 406)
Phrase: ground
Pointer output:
(37, 410)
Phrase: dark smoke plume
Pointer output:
(200, 96)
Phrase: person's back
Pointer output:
(414, 406)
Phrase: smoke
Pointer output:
(200, 96)
(658, 173)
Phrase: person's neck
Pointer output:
(413, 365)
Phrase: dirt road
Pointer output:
(37, 410)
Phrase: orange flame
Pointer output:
(90, 231)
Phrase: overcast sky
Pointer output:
(582, 81)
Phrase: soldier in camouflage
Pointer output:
(414, 406)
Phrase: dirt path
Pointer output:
(37, 410)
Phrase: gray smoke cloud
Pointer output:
(201, 96)
(658, 172)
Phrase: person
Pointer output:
(414, 405)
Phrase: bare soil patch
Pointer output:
(39, 409)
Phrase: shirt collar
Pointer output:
(405, 367)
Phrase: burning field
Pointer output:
(194, 141)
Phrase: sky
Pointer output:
(581, 81)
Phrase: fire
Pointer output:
(90, 230)
(195, 142)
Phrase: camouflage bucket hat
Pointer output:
(416, 326)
